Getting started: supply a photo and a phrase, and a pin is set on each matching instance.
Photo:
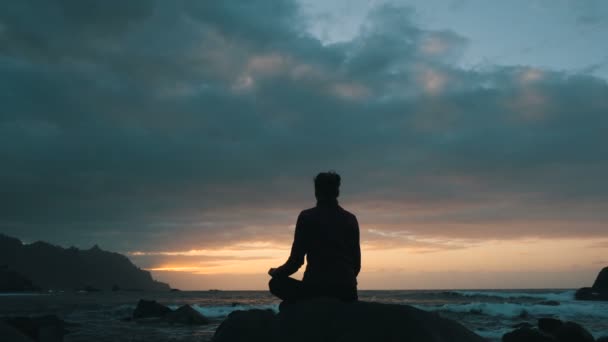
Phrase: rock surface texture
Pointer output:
(48, 328)
(151, 311)
(550, 330)
(332, 320)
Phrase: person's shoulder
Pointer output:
(348, 214)
(308, 212)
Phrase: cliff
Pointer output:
(53, 267)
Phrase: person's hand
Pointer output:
(271, 271)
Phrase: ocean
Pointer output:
(490, 313)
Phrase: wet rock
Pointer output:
(10, 333)
(247, 326)
(550, 329)
(599, 290)
(573, 332)
(549, 325)
(48, 328)
(526, 335)
(149, 308)
(186, 315)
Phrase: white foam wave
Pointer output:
(565, 311)
(560, 296)
(223, 311)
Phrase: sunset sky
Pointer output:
(471, 135)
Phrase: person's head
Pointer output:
(327, 186)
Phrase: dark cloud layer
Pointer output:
(152, 125)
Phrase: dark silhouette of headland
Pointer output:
(599, 290)
(27, 267)
(328, 236)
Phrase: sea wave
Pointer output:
(565, 311)
(223, 311)
(556, 296)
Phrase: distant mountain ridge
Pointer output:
(55, 268)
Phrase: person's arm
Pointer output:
(357, 248)
(298, 250)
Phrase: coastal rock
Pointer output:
(186, 315)
(573, 332)
(9, 333)
(332, 320)
(601, 282)
(149, 308)
(252, 326)
(526, 335)
(550, 330)
(48, 328)
(550, 325)
(599, 290)
(602, 339)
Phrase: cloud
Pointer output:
(192, 124)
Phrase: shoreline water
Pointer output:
(490, 313)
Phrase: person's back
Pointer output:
(329, 237)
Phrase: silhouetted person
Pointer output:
(329, 237)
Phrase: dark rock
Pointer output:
(522, 325)
(149, 308)
(175, 290)
(572, 332)
(526, 335)
(115, 288)
(251, 326)
(186, 315)
(11, 281)
(10, 333)
(602, 339)
(48, 328)
(599, 290)
(549, 303)
(332, 320)
(601, 282)
(57, 268)
(551, 329)
(588, 293)
(549, 325)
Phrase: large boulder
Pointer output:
(601, 282)
(252, 326)
(550, 330)
(599, 290)
(527, 334)
(186, 315)
(10, 333)
(48, 328)
(149, 309)
(332, 320)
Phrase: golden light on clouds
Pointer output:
(433, 81)
(389, 267)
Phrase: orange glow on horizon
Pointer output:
(383, 267)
